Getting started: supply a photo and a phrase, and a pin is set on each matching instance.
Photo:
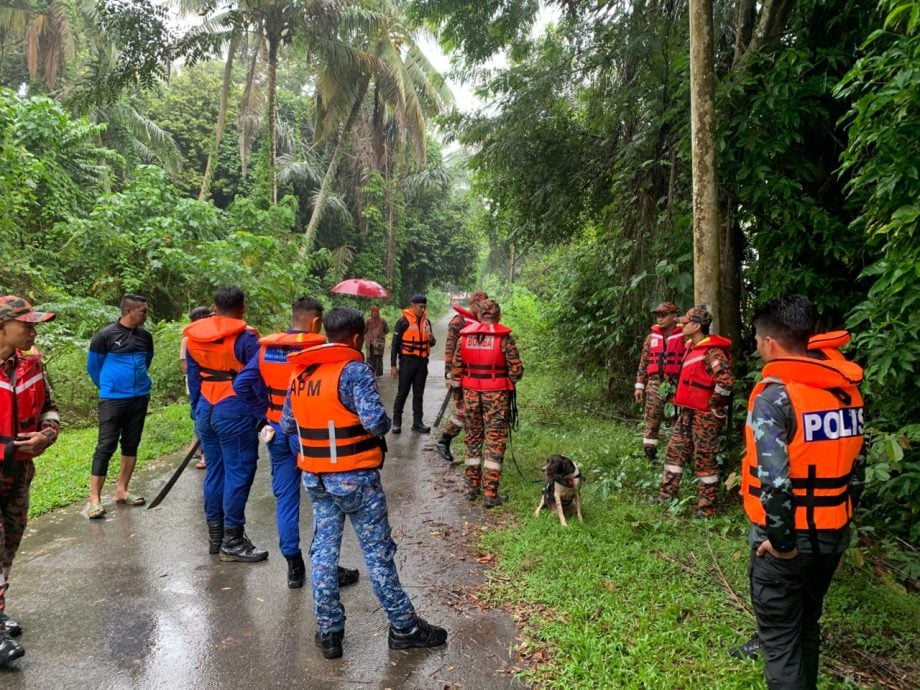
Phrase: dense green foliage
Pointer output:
(642, 596)
(585, 161)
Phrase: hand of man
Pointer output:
(767, 547)
(639, 395)
(394, 372)
(32, 443)
(718, 405)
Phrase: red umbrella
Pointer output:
(360, 287)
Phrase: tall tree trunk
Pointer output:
(391, 223)
(706, 265)
(730, 255)
(326, 184)
(273, 42)
(205, 191)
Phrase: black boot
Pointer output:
(297, 571)
(651, 453)
(422, 634)
(215, 536)
(330, 643)
(443, 447)
(397, 424)
(12, 627)
(10, 649)
(347, 576)
(494, 501)
(237, 547)
(419, 426)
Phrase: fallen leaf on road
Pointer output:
(486, 558)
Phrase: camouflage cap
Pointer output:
(13, 307)
(665, 308)
(698, 314)
(489, 309)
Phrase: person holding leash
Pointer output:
(487, 366)
(455, 423)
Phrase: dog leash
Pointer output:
(514, 460)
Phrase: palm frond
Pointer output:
(308, 168)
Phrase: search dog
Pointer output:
(562, 488)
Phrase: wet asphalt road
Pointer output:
(136, 601)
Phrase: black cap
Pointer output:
(419, 299)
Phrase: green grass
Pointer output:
(633, 598)
(62, 473)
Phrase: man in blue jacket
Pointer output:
(119, 357)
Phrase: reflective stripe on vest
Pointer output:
(22, 398)
(828, 438)
(331, 436)
(695, 385)
(275, 368)
(665, 352)
(485, 367)
(415, 341)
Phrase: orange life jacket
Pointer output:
(275, 368)
(695, 384)
(22, 398)
(415, 338)
(828, 344)
(210, 344)
(331, 436)
(484, 365)
(828, 411)
(665, 352)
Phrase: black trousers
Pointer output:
(413, 373)
(788, 596)
(124, 419)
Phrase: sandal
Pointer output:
(200, 465)
(95, 511)
(132, 500)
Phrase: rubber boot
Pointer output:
(651, 453)
(419, 426)
(443, 447)
(297, 571)
(215, 536)
(237, 547)
(397, 424)
(10, 649)
(12, 627)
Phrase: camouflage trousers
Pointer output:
(14, 514)
(455, 423)
(696, 437)
(359, 495)
(486, 415)
(654, 410)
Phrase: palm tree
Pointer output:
(225, 31)
(405, 90)
(46, 35)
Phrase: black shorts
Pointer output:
(118, 419)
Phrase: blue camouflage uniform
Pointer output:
(230, 442)
(358, 494)
(282, 451)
